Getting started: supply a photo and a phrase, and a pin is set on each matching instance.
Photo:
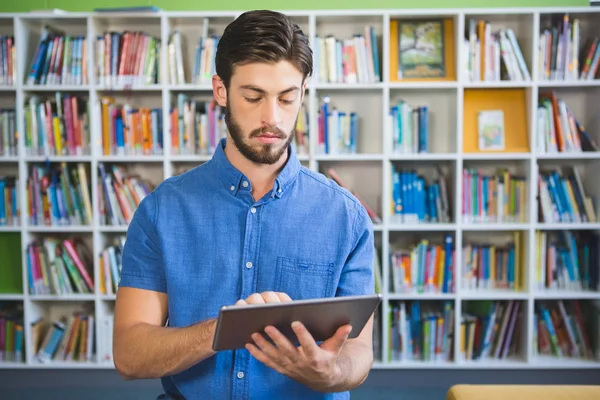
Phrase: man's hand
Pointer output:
(313, 365)
(264, 297)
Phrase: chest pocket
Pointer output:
(303, 279)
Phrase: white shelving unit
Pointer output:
(368, 172)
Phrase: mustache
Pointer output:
(273, 130)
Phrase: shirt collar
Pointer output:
(234, 180)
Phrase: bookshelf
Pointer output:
(452, 149)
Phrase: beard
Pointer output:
(268, 153)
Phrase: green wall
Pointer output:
(72, 5)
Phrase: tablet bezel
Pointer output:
(322, 317)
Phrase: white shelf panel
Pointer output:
(74, 159)
(492, 294)
(423, 157)
(349, 157)
(550, 362)
(56, 88)
(131, 159)
(400, 227)
(421, 296)
(11, 159)
(11, 297)
(60, 229)
(111, 229)
(565, 294)
(348, 86)
(66, 297)
(569, 83)
(584, 155)
(506, 226)
(568, 226)
(495, 85)
(10, 229)
(496, 156)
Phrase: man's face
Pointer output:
(262, 104)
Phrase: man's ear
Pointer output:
(219, 90)
(303, 93)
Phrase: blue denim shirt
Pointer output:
(201, 238)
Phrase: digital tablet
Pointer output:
(322, 317)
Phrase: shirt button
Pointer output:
(232, 188)
(240, 374)
(248, 264)
(253, 210)
(245, 184)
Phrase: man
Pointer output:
(249, 226)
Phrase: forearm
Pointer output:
(354, 362)
(147, 351)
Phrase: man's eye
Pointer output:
(249, 100)
(287, 101)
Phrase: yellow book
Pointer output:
(57, 135)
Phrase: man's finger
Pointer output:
(270, 297)
(241, 303)
(284, 297)
(255, 298)
(335, 343)
(283, 344)
(309, 346)
(267, 347)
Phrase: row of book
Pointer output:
(58, 194)
(421, 331)
(558, 128)
(110, 262)
(337, 129)
(8, 60)
(562, 197)
(69, 338)
(12, 337)
(409, 126)
(567, 260)
(416, 201)
(59, 59)
(127, 59)
(492, 54)
(57, 126)
(196, 126)
(347, 60)
(60, 267)
(491, 329)
(561, 53)
(204, 57)
(565, 329)
(120, 194)
(10, 208)
(494, 265)
(9, 140)
(493, 197)
(426, 267)
(128, 130)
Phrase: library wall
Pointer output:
(27, 5)
(404, 383)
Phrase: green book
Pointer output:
(11, 276)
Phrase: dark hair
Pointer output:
(262, 36)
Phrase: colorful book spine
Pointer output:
(57, 126)
(423, 268)
(347, 60)
(421, 331)
(337, 129)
